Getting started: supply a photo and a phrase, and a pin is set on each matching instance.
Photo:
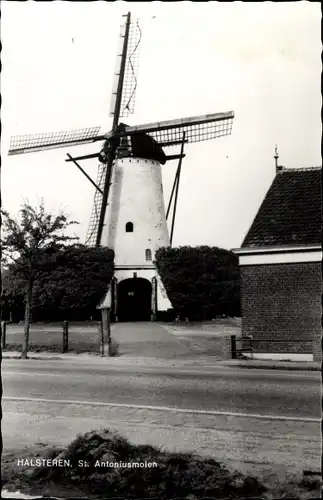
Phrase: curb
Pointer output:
(277, 367)
(187, 366)
(19, 494)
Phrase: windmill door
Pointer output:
(134, 300)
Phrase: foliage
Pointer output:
(71, 287)
(36, 234)
(30, 245)
(13, 294)
(201, 282)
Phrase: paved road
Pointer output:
(51, 401)
(265, 392)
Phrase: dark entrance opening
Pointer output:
(134, 300)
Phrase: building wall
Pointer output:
(281, 307)
(136, 196)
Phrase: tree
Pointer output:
(70, 288)
(201, 282)
(12, 296)
(74, 287)
(30, 244)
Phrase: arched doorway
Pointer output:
(134, 300)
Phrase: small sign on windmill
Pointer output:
(129, 212)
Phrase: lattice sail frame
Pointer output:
(96, 207)
(197, 129)
(129, 85)
(30, 143)
(129, 89)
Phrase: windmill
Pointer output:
(128, 213)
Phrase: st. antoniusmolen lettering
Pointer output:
(47, 462)
(129, 465)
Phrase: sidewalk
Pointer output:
(275, 365)
(198, 362)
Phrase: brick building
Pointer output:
(281, 269)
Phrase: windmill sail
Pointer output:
(116, 107)
(31, 143)
(131, 70)
(95, 213)
(196, 129)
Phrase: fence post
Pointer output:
(101, 337)
(65, 336)
(3, 334)
(233, 347)
(109, 332)
(105, 318)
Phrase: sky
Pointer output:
(260, 59)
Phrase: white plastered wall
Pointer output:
(136, 196)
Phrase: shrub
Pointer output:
(69, 287)
(201, 282)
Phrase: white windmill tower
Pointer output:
(129, 213)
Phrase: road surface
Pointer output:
(237, 415)
(267, 392)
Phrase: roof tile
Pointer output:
(291, 212)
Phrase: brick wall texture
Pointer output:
(281, 307)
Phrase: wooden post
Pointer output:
(109, 331)
(153, 316)
(233, 347)
(65, 336)
(3, 334)
(101, 337)
(105, 318)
